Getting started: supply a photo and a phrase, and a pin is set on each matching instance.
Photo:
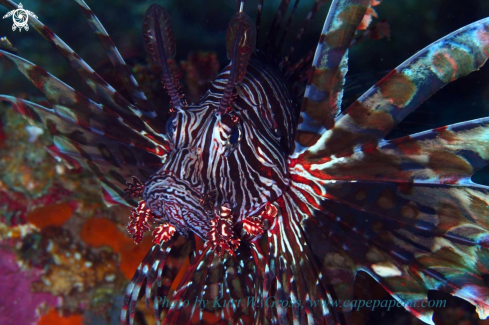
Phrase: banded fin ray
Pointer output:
(324, 91)
(445, 155)
(294, 274)
(337, 268)
(285, 64)
(105, 92)
(410, 260)
(113, 162)
(154, 276)
(275, 27)
(386, 104)
(74, 107)
(123, 71)
(215, 280)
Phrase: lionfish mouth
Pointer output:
(175, 215)
(178, 203)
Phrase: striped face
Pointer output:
(236, 158)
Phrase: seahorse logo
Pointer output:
(20, 17)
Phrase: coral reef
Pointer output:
(65, 255)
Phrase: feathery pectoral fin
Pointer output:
(445, 155)
(406, 212)
(411, 237)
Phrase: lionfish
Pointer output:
(290, 200)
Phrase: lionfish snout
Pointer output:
(176, 202)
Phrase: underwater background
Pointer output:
(65, 257)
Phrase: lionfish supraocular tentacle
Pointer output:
(159, 41)
(240, 45)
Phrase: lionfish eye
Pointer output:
(235, 135)
(170, 128)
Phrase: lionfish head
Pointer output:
(228, 156)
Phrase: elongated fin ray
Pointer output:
(445, 155)
(275, 28)
(381, 108)
(258, 21)
(73, 106)
(337, 267)
(118, 62)
(112, 161)
(413, 224)
(105, 92)
(445, 258)
(224, 284)
(296, 273)
(166, 273)
(145, 272)
(287, 25)
(410, 237)
(6, 45)
(285, 63)
(154, 276)
(322, 98)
